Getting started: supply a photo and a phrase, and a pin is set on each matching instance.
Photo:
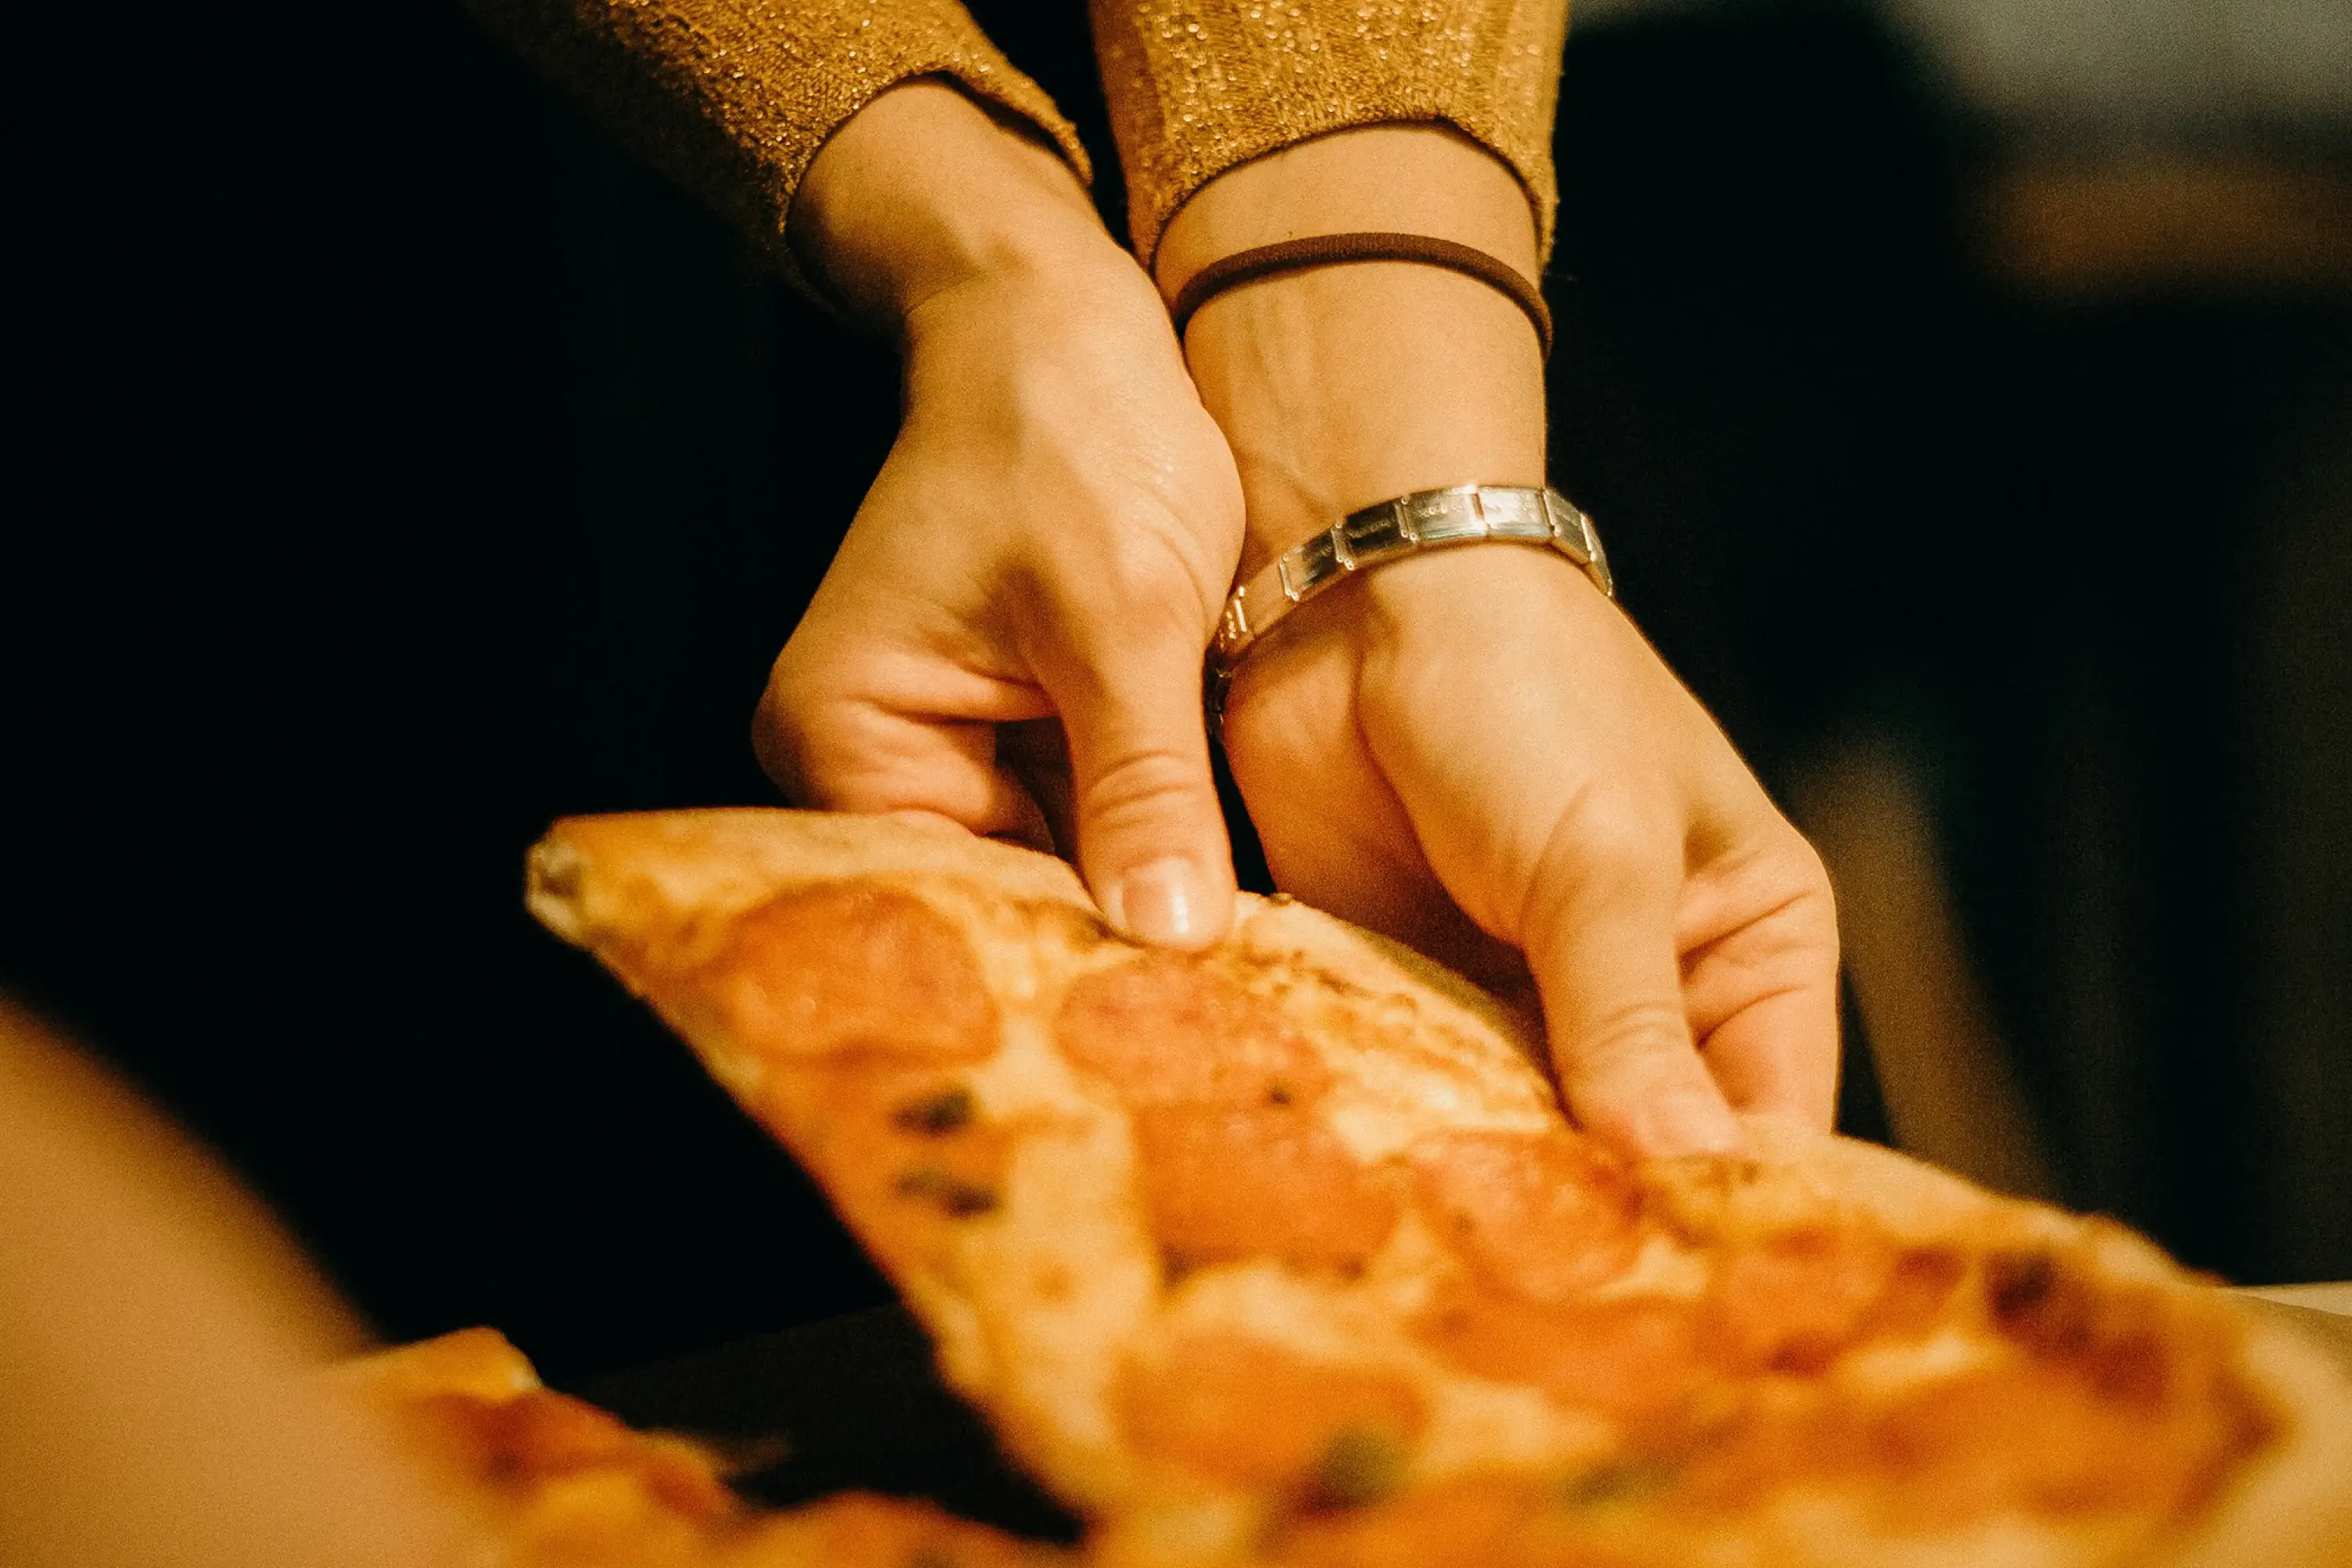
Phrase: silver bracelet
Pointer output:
(1426, 520)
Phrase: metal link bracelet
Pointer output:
(1426, 520)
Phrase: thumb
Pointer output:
(1601, 945)
(1151, 835)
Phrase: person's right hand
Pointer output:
(1010, 635)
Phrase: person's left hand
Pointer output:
(1479, 754)
(1474, 750)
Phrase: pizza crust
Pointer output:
(2294, 1510)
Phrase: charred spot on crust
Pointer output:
(1805, 1355)
(2133, 1370)
(1279, 1093)
(955, 1197)
(2017, 1283)
(1924, 1278)
(1360, 1467)
(1451, 1322)
(936, 1115)
(2039, 1305)
(1616, 1481)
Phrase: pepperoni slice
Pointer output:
(1917, 1288)
(852, 966)
(1794, 1301)
(1166, 1028)
(1258, 1182)
(1232, 1162)
(1254, 1414)
(1629, 1359)
(1546, 1216)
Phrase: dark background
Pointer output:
(398, 465)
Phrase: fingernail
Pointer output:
(1158, 902)
(1691, 1123)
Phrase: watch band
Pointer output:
(1426, 520)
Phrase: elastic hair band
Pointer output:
(1333, 249)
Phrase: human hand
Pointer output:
(1479, 754)
(1011, 634)
(1475, 751)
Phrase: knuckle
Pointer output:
(1141, 790)
(1812, 874)
(809, 740)
(779, 742)
(798, 679)
(1632, 1041)
(1809, 903)
(789, 754)
(1617, 836)
(1123, 580)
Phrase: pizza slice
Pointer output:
(565, 1485)
(1285, 1252)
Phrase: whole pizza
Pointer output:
(1286, 1253)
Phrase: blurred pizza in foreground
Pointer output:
(565, 1485)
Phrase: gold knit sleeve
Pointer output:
(1198, 86)
(733, 98)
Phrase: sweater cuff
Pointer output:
(1197, 87)
(733, 98)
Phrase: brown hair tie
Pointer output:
(1330, 250)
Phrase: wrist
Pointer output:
(924, 191)
(1413, 179)
(1347, 385)
(1341, 386)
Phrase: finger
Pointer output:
(1037, 752)
(1599, 941)
(1150, 834)
(858, 756)
(1362, 861)
(1778, 1057)
(1759, 937)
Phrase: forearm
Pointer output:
(1340, 385)
(1196, 91)
(735, 99)
(1049, 540)
(923, 191)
